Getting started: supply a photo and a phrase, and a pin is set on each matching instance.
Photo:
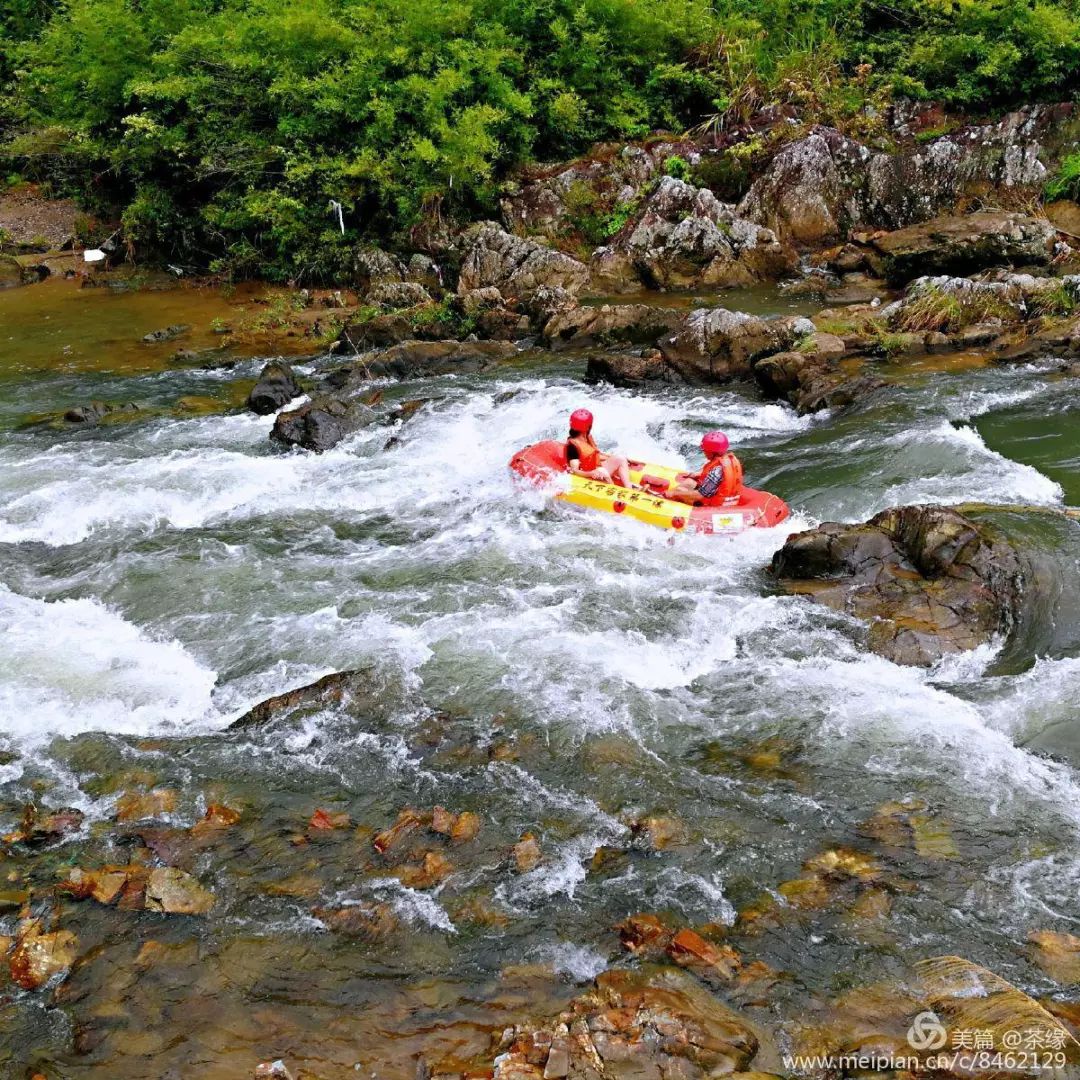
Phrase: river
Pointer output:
(555, 672)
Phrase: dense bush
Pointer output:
(222, 129)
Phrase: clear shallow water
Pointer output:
(558, 673)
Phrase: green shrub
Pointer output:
(1066, 183)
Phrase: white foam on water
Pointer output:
(579, 962)
(415, 908)
(73, 665)
(974, 472)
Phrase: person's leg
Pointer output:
(685, 491)
(619, 469)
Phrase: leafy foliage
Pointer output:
(222, 129)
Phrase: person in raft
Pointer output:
(719, 483)
(584, 458)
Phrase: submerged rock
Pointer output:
(328, 692)
(96, 411)
(928, 580)
(167, 333)
(321, 423)
(38, 957)
(650, 1025)
(277, 386)
(175, 892)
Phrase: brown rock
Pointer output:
(104, 886)
(526, 853)
(689, 949)
(37, 957)
(324, 821)
(1058, 954)
(930, 581)
(177, 893)
(331, 691)
(466, 827)
(407, 823)
(139, 806)
(433, 869)
(643, 933)
(369, 921)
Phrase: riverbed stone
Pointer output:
(277, 386)
(929, 581)
(176, 892)
(38, 956)
(653, 1024)
(320, 424)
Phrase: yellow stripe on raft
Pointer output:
(642, 505)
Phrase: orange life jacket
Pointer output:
(588, 454)
(731, 485)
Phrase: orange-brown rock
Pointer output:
(526, 853)
(434, 868)
(141, 805)
(324, 821)
(177, 893)
(643, 934)
(38, 956)
(104, 885)
(689, 949)
(408, 821)
(465, 828)
(1058, 954)
(370, 921)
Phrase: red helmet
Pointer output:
(581, 420)
(715, 442)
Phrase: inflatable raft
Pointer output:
(545, 463)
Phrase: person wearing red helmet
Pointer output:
(585, 458)
(719, 483)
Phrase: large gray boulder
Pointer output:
(819, 188)
(684, 237)
(517, 266)
(929, 581)
(609, 324)
(712, 345)
(964, 244)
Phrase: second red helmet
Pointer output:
(715, 442)
(581, 420)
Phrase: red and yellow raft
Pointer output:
(544, 462)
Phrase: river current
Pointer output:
(558, 673)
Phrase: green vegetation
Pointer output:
(1066, 184)
(219, 131)
(933, 309)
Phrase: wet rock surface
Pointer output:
(277, 386)
(320, 424)
(928, 580)
(713, 345)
